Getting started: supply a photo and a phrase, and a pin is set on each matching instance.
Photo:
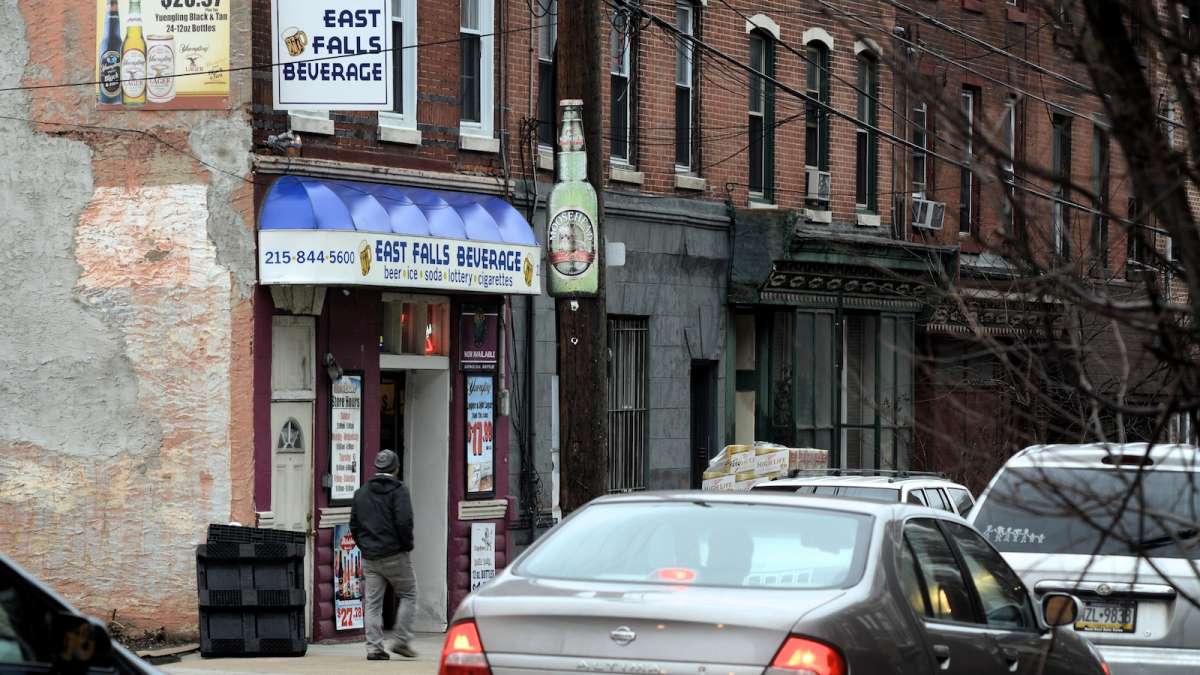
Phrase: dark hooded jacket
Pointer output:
(381, 518)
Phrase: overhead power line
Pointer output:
(267, 66)
(890, 137)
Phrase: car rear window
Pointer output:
(705, 544)
(1093, 511)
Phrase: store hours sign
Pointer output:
(345, 436)
(332, 54)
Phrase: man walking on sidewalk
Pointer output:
(381, 520)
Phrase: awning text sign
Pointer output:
(339, 258)
(332, 55)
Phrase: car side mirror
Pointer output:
(79, 642)
(1060, 609)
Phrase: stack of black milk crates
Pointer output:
(250, 583)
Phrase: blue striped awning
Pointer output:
(297, 203)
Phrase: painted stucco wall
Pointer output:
(127, 259)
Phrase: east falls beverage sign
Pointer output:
(162, 54)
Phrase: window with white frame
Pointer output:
(404, 66)
(547, 19)
(1101, 178)
(685, 101)
(920, 150)
(620, 91)
(762, 116)
(475, 67)
(1008, 166)
(968, 188)
(866, 175)
(1061, 170)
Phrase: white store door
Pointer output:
(293, 393)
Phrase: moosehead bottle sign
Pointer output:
(571, 229)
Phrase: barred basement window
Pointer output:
(628, 418)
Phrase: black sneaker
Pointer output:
(378, 656)
(403, 650)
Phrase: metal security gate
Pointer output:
(628, 418)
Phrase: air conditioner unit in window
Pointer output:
(928, 214)
(819, 184)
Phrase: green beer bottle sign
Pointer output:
(571, 233)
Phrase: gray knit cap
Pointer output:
(387, 461)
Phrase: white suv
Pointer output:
(1119, 527)
(907, 487)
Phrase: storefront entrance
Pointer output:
(423, 396)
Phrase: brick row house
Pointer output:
(785, 243)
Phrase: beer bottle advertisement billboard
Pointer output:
(162, 54)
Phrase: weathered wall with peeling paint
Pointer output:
(127, 265)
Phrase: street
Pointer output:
(321, 658)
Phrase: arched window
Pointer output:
(685, 90)
(762, 116)
(291, 437)
(866, 182)
(816, 117)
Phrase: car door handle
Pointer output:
(1013, 657)
(942, 652)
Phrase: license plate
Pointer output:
(1108, 616)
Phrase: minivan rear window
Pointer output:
(705, 544)
(1085, 512)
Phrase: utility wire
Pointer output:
(1037, 67)
(892, 138)
(332, 57)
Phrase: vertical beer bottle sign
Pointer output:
(571, 232)
(110, 56)
(133, 58)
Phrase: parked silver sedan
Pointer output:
(747, 583)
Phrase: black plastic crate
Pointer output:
(257, 551)
(252, 535)
(248, 582)
(261, 633)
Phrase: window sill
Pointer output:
(626, 174)
(685, 181)
(869, 219)
(393, 133)
(755, 203)
(310, 124)
(1017, 15)
(973, 6)
(545, 160)
(472, 143)
(818, 216)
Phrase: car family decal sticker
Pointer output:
(1013, 535)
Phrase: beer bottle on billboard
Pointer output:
(133, 58)
(110, 56)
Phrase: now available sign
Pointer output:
(332, 54)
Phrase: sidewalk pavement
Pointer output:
(349, 657)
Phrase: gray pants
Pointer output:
(398, 572)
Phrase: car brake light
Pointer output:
(681, 575)
(798, 655)
(1104, 667)
(463, 652)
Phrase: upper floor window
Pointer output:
(475, 66)
(1061, 170)
(762, 116)
(685, 99)
(547, 18)
(968, 189)
(1101, 175)
(404, 65)
(866, 193)
(922, 163)
(816, 117)
(1008, 132)
(620, 92)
